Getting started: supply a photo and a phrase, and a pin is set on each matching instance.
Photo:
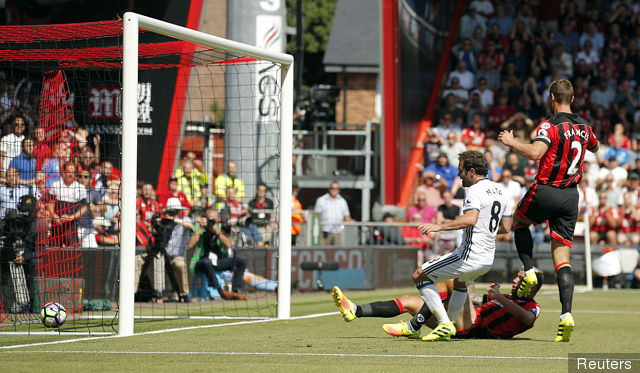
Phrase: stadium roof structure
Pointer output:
(354, 43)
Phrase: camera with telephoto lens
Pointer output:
(17, 223)
(162, 223)
(211, 223)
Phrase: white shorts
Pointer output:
(87, 238)
(450, 266)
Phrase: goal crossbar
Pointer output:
(132, 24)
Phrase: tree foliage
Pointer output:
(317, 17)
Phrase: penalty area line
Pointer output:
(166, 331)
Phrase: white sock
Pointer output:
(564, 315)
(458, 298)
(527, 273)
(431, 298)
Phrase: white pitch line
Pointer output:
(304, 354)
(600, 311)
(168, 330)
(555, 291)
(181, 317)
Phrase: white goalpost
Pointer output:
(132, 24)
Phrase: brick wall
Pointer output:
(361, 94)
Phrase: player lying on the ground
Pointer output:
(496, 315)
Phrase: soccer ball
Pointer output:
(53, 315)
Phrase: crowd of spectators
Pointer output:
(507, 54)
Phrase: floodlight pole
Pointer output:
(129, 173)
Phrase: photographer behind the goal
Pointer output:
(171, 232)
(18, 243)
(213, 253)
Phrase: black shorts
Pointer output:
(557, 205)
(475, 331)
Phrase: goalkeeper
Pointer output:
(495, 315)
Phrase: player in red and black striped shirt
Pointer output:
(560, 145)
(496, 315)
(503, 316)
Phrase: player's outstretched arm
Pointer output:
(469, 218)
(519, 313)
(505, 225)
(533, 151)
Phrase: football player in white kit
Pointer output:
(487, 210)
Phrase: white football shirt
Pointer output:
(492, 201)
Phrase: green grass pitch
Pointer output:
(606, 321)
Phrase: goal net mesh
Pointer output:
(208, 162)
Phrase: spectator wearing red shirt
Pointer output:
(499, 113)
(173, 192)
(497, 57)
(629, 231)
(581, 94)
(619, 134)
(602, 222)
(427, 212)
(146, 205)
(231, 208)
(493, 35)
(41, 150)
(474, 137)
(413, 237)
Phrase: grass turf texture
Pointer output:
(606, 322)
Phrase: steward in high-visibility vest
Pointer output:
(223, 181)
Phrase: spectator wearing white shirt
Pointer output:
(486, 95)
(11, 144)
(452, 148)
(632, 188)
(460, 94)
(484, 7)
(465, 77)
(614, 169)
(603, 95)
(334, 211)
(68, 204)
(447, 125)
(587, 195)
(593, 36)
(513, 187)
(11, 193)
(470, 21)
(591, 170)
(563, 60)
(589, 55)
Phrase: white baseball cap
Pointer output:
(174, 204)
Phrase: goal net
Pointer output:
(147, 168)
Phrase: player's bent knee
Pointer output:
(419, 276)
(562, 265)
(410, 303)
